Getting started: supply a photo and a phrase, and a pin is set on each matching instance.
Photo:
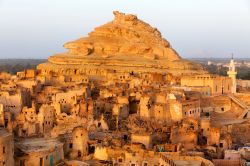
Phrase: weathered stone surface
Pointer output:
(125, 35)
(124, 44)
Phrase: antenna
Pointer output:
(232, 55)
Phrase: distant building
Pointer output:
(209, 63)
(232, 74)
(243, 83)
(7, 148)
(218, 85)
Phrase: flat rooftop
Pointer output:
(187, 163)
(4, 133)
(30, 145)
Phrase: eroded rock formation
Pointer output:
(125, 35)
(125, 44)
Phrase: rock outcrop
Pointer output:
(125, 35)
(125, 44)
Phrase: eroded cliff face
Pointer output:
(125, 35)
(125, 44)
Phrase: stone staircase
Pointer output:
(168, 161)
(245, 107)
(62, 163)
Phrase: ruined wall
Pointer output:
(12, 102)
(191, 108)
(186, 136)
(120, 110)
(46, 118)
(66, 100)
(205, 126)
(213, 137)
(1, 116)
(136, 156)
(161, 112)
(144, 139)
(240, 133)
(6, 148)
(175, 110)
(145, 107)
(79, 140)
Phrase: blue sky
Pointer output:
(195, 28)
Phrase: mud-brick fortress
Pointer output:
(123, 96)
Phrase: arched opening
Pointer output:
(125, 137)
(79, 153)
(91, 149)
(71, 145)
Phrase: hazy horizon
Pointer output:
(195, 29)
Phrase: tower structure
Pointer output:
(232, 74)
